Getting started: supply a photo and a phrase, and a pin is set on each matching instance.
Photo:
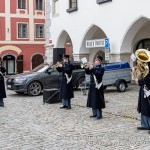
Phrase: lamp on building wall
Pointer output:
(7, 29)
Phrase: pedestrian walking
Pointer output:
(95, 98)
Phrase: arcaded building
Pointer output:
(78, 24)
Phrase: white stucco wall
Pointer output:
(120, 20)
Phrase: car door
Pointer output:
(51, 79)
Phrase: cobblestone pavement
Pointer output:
(27, 124)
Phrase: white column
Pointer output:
(48, 47)
(7, 20)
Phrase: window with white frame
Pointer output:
(21, 4)
(39, 5)
(22, 30)
(39, 30)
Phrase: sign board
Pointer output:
(106, 56)
(97, 43)
(106, 50)
(106, 43)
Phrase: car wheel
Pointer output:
(121, 86)
(80, 81)
(34, 88)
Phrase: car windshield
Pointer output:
(41, 68)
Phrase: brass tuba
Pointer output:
(142, 68)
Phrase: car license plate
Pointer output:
(9, 86)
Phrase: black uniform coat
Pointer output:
(95, 96)
(66, 89)
(2, 83)
(144, 103)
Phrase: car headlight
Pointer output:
(20, 80)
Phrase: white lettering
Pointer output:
(95, 43)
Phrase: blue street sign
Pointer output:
(106, 43)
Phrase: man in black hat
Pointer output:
(144, 100)
(66, 88)
(96, 93)
(2, 86)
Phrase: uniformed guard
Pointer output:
(96, 93)
(66, 88)
(144, 101)
(2, 86)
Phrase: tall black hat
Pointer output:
(99, 57)
(66, 56)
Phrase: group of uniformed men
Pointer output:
(95, 98)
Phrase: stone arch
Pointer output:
(64, 41)
(137, 31)
(129, 36)
(93, 32)
(10, 47)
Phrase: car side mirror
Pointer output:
(50, 71)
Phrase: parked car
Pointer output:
(116, 74)
(43, 77)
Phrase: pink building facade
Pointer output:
(22, 34)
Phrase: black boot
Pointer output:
(142, 128)
(92, 116)
(99, 117)
(69, 107)
(62, 107)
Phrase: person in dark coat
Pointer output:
(144, 101)
(2, 86)
(96, 93)
(66, 88)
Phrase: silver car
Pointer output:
(42, 77)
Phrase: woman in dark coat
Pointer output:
(144, 102)
(96, 93)
(66, 88)
(2, 86)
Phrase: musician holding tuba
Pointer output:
(141, 73)
(66, 88)
(95, 98)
